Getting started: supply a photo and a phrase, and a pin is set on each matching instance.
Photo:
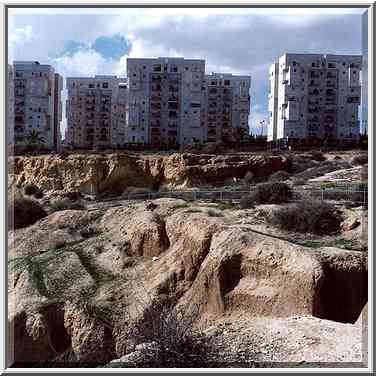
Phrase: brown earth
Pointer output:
(71, 292)
(115, 173)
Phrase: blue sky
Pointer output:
(84, 42)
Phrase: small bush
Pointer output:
(271, 193)
(30, 189)
(23, 212)
(359, 160)
(317, 156)
(33, 190)
(174, 342)
(299, 181)
(66, 204)
(249, 177)
(246, 202)
(214, 213)
(313, 216)
(279, 176)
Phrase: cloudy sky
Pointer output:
(85, 42)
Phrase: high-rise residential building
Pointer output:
(227, 106)
(89, 111)
(34, 104)
(318, 97)
(10, 114)
(165, 100)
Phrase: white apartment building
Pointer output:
(10, 114)
(36, 100)
(227, 107)
(166, 100)
(89, 109)
(314, 96)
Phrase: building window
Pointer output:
(105, 85)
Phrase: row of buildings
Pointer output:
(163, 101)
(172, 101)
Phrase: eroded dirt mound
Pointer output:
(109, 268)
(115, 173)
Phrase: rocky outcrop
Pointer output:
(115, 173)
(94, 288)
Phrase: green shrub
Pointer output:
(246, 202)
(271, 193)
(249, 177)
(279, 176)
(170, 332)
(23, 212)
(359, 160)
(299, 181)
(214, 213)
(65, 204)
(308, 215)
(317, 156)
(31, 190)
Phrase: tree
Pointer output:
(34, 139)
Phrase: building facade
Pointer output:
(273, 102)
(89, 110)
(119, 116)
(172, 101)
(10, 113)
(165, 100)
(58, 113)
(35, 104)
(318, 97)
(227, 107)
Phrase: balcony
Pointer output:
(156, 88)
(353, 100)
(19, 129)
(155, 98)
(155, 131)
(19, 93)
(313, 83)
(156, 78)
(331, 84)
(173, 98)
(173, 89)
(312, 110)
(314, 92)
(314, 74)
(155, 115)
(331, 74)
(172, 115)
(155, 106)
(173, 106)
